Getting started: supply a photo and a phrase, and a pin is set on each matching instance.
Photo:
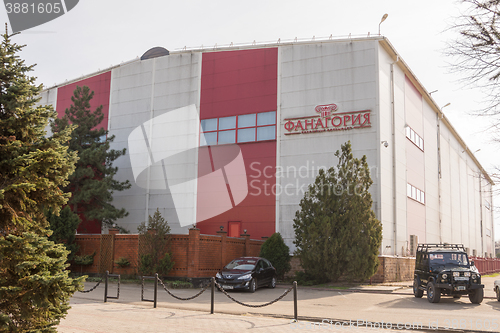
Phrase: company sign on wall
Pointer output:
(327, 119)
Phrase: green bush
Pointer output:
(122, 262)
(277, 252)
(149, 268)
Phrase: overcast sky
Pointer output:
(98, 34)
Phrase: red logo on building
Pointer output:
(326, 110)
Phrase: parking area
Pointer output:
(377, 306)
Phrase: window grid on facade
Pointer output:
(239, 129)
(415, 138)
(415, 193)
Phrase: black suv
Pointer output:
(445, 269)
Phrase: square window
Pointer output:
(414, 193)
(227, 137)
(208, 139)
(408, 190)
(412, 135)
(408, 130)
(266, 133)
(266, 118)
(246, 135)
(227, 123)
(209, 125)
(422, 197)
(247, 120)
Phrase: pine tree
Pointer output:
(336, 232)
(92, 184)
(154, 256)
(34, 286)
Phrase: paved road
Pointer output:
(379, 306)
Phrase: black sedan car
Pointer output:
(248, 273)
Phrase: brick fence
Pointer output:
(195, 255)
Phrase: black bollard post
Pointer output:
(212, 297)
(156, 289)
(295, 300)
(106, 287)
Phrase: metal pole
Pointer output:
(212, 297)
(156, 289)
(295, 300)
(106, 287)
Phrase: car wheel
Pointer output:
(253, 286)
(273, 283)
(477, 296)
(418, 293)
(433, 293)
(498, 294)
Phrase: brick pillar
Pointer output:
(247, 244)
(223, 235)
(193, 253)
(113, 232)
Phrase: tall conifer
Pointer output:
(34, 285)
(336, 232)
(92, 184)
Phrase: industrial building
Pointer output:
(231, 137)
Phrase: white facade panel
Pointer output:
(321, 74)
(141, 92)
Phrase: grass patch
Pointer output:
(492, 275)
(175, 284)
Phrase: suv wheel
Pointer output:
(498, 294)
(477, 296)
(433, 293)
(418, 293)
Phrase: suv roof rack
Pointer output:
(427, 247)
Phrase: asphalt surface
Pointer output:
(318, 309)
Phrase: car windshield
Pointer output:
(241, 264)
(438, 259)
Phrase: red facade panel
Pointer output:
(237, 83)
(99, 84)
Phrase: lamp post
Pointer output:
(382, 20)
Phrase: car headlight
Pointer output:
(474, 276)
(218, 275)
(467, 274)
(456, 273)
(445, 276)
(245, 277)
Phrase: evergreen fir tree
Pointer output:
(32, 167)
(336, 232)
(92, 184)
(34, 285)
(64, 229)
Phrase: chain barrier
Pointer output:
(93, 288)
(250, 305)
(180, 298)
